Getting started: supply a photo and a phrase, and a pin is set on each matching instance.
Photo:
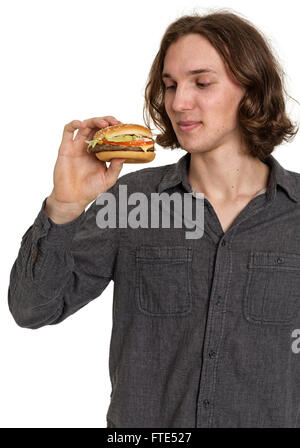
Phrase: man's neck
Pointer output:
(227, 177)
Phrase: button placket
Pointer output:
(215, 321)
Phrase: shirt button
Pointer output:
(212, 354)
(223, 243)
(206, 403)
(280, 260)
(218, 301)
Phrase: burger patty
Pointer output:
(105, 147)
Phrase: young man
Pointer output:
(205, 330)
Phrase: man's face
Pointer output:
(209, 98)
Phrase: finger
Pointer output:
(100, 122)
(69, 130)
(90, 135)
(114, 170)
(93, 124)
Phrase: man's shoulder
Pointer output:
(295, 177)
(290, 180)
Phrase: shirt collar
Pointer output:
(178, 173)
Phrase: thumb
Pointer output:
(114, 170)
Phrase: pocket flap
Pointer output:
(170, 253)
(280, 260)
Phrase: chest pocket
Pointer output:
(163, 280)
(273, 288)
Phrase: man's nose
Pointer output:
(182, 99)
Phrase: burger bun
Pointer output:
(129, 156)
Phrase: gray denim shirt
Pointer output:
(206, 331)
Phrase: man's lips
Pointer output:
(188, 125)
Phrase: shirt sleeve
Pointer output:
(61, 267)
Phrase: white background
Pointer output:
(64, 60)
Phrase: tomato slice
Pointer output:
(132, 143)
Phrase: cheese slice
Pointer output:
(145, 147)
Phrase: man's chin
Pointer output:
(196, 150)
(192, 148)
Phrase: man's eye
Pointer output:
(200, 84)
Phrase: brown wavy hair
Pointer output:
(262, 117)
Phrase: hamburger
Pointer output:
(132, 142)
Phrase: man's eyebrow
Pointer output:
(192, 72)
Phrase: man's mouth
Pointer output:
(186, 126)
